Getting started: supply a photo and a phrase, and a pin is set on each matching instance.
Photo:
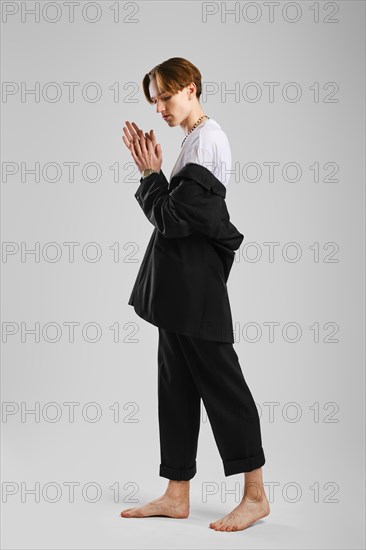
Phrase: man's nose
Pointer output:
(159, 107)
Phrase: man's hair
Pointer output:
(173, 75)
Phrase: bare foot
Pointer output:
(245, 514)
(170, 504)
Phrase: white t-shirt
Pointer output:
(208, 146)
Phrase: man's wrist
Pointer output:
(148, 171)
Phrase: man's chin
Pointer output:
(170, 119)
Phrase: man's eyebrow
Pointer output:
(153, 97)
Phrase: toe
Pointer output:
(127, 513)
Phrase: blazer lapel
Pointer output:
(201, 175)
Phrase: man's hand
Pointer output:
(145, 151)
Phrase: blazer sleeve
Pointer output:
(189, 207)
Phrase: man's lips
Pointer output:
(166, 116)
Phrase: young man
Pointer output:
(181, 288)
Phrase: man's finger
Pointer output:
(127, 134)
(135, 158)
(142, 142)
(150, 146)
(136, 144)
(153, 137)
(131, 129)
(130, 132)
(126, 142)
(136, 127)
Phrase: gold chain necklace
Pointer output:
(195, 126)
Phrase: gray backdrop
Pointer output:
(79, 371)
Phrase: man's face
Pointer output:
(175, 107)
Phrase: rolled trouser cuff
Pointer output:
(232, 467)
(177, 474)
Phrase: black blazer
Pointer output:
(181, 283)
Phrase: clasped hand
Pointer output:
(145, 151)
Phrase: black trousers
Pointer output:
(191, 369)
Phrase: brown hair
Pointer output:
(173, 75)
